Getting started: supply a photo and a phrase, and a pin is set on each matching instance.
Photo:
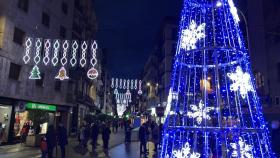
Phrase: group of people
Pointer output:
(91, 131)
(149, 131)
(52, 139)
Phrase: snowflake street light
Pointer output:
(241, 148)
(200, 112)
(191, 35)
(185, 152)
(241, 82)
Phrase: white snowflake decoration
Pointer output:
(191, 35)
(242, 148)
(185, 152)
(200, 112)
(233, 11)
(241, 82)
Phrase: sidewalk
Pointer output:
(20, 151)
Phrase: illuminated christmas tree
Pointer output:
(213, 109)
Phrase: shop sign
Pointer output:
(37, 106)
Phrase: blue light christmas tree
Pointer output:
(213, 109)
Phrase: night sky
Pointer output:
(127, 29)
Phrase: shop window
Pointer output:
(40, 83)
(46, 19)
(19, 36)
(14, 71)
(57, 86)
(64, 8)
(62, 32)
(23, 5)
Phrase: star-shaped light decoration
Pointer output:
(200, 112)
(241, 148)
(191, 35)
(241, 82)
(185, 152)
(233, 11)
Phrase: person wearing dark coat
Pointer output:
(127, 129)
(94, 135)
(51, 140)
(62, 139)
(106, 136)
(143, 138)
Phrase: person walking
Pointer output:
(127, 129)
(44, 147)
(62, 139)
(94, 135)
(116, 126)
(143, 138)
(155, 135)
(106, 136)
(51, 140)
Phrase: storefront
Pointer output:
(5, 120)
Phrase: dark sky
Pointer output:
(127, 29)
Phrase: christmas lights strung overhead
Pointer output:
(47, 46)
(62, 73)
(126, 84)
(35, 72)
(140, 87)
(92, 72)
(241, 82)
(28, 45)
(56, 47)
(192, 35)
(83, 60)
(73, 60)
(135, 86)
(112, 82)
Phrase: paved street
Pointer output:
(117, 149)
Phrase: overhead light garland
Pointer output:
(55, 59)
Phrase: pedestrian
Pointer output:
(155, 135)
(116, 126)
(44, 147)
(82, 136)
(86, 134)
(51, 140)
(62, 139)
(24, 132)
(143, 138)
(94, 135)
(106, 136)
(127, 129)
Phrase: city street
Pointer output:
(117, 149)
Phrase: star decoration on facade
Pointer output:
(233, 11)
(241, 82)
(200, 112)
(241, 148)
(185, 152)
(191, 35)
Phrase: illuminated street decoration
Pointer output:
(35, 72)
(200, 112)
(241, 149)
(233, 11)
(185, 152)
(73, 60)
(83, 60)
(56, 47)
(92, 72)
(140, 87)
(241, 82)
(62, 73)
(28, 46)
(47, 46)
(192, 35)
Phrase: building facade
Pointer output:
(47, 20)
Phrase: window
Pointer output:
(46, 19)
(57, 86)
(40, 83)
(64, 7)
(19, 36)
(14, 71)
(277, 101)
(278, 72)
(23, 5)
(62, 32)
